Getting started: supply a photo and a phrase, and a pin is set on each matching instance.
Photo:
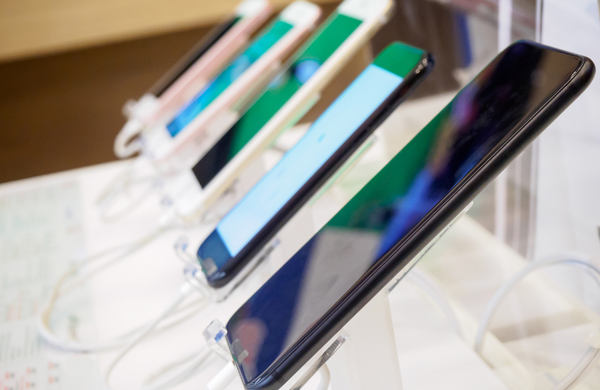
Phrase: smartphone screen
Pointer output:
(329, 134)
(194, 55)
(232, 72)
(305, 64)
(269, 327)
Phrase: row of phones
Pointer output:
(393, 216)
(205, 144)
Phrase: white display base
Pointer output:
(368, 359)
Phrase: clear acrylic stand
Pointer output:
(363, 355)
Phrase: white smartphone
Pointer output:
(190, 74)
(176, 144)
(280, 106)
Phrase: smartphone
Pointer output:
(187, 77)
(281, 104)
(225, 39)
(328, 143)
(394, 216)
(170, 145)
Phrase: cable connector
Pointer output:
(125, 143)
(138, 113)
(180, 248)
(214, 335)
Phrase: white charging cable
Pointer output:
(223, 377)
(188, 369)
(141, 173)
(138, 113)
(432, 289)
(190, 366)
(229, 373)
(70, 280)
(127, 142)
(592, 355)
(325, 378)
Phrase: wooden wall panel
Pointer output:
(63, 111)
(35, 27)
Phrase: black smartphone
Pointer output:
(394, 216)
(328, 143)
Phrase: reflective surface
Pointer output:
(311, 57)
(540, 326)
(321, 148)
(393, 202)
(322, 140)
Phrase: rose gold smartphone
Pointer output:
(189, 75)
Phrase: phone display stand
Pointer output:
(362, 356)
(195, 276)
(366, 357)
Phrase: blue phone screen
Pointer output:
(321, 141)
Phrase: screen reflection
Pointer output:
(479, 118)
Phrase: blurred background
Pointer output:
(68, 66)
